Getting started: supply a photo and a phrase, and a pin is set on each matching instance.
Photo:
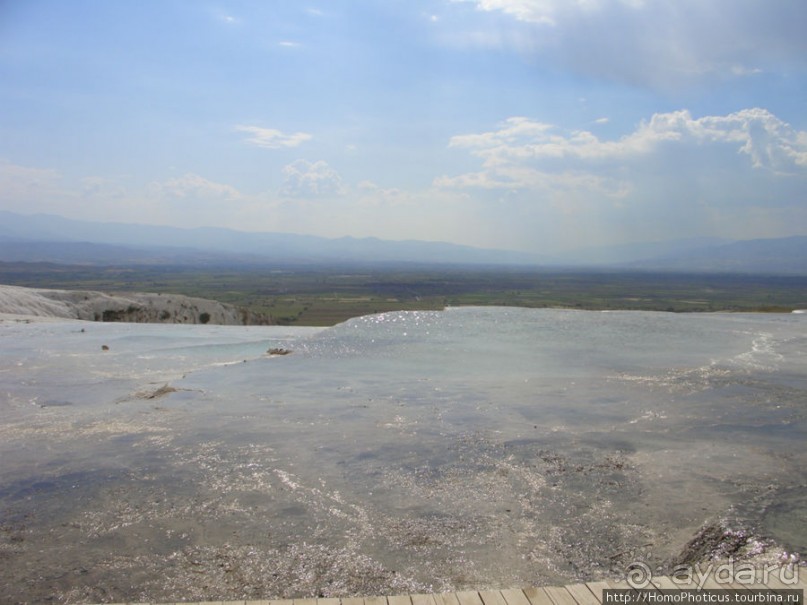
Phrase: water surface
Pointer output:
(402, 452)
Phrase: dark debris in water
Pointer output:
(278, 351)
(157, 393)
(712, 541)
(52, 403)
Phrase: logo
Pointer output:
(639, 574)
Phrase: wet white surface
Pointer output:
(405, 451)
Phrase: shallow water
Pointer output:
(474, 447)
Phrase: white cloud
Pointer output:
(535, 11)
(102, 187)
(270, 138)
(194, 187)
(190, 200)
(305, 179)
(522, 152)
(548, 12)
(370, 194)
(672, 176)
(511, 130)
(226, 18)
(18, 181)
(657, 43)
(769, 142)
(29, 189)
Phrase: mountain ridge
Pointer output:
(28, 229)
(51, 238)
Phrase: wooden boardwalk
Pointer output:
(588, 593)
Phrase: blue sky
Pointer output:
(537, 125)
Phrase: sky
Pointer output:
(533, 125)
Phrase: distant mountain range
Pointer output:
(48, 238)
(51, 238)
(785, 256)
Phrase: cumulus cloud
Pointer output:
(370, 194)
(270, 138)
(656, 43)
(673, 175)
(304, 179)
(523, 153)
(194, 187)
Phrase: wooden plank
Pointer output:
(665, 583)
(589, 593)
(560, 596)
(446, 598)
(492, 597)
(739, 583)
(513, 596)
(710, 583)
(596, 589)
(418, 599)
(755, 583)
(775, 582)
(469, 597)
(538, 596)
(582, 594)
(618, 584)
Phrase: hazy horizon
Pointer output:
(531, 125)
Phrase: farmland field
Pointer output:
(327, 295)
